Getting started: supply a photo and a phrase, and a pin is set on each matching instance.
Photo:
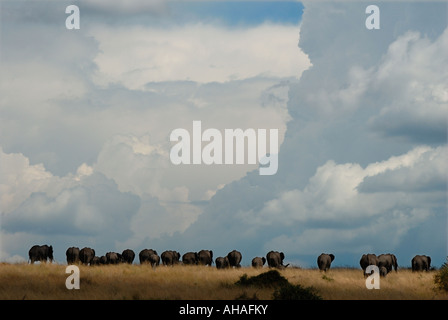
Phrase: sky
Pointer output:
(86, 116)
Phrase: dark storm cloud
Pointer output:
(95, 208)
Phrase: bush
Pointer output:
(269, 279)
(295, 292)
(327, 278)
(245, 296)
(441, 277)
(284, 290)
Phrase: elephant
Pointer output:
(72, 255)
(222, 263)
(368, 260)
(235, 257)
(145, 254)
(421, 263)
(103, 260)
(205, 257)
(190, 258)
(128, 256)
(324, 261)
(154, 260)
(170, 257)
(275, 259)
(40, 253)
(86, 255)
(258, 262)
(113, 258)
(383, 271)
(388, 261)
(95, 261)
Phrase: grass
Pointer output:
(137, 282)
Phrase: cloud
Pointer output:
(85, 204)
(196, 52)
(346, 182)
(417, 176)
(118, 7)
(360, 117)
(333, 212)
(61, 210)
(412, 79)
(90, 151)
(332, 196)
(60, 118)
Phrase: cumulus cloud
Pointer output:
(347, 182)
(334, 200)
(35, 201)
(335, 210)
(426, 173)
(38, 205)
(413, 78)
(92, 142)
(119, 7)
(360, 116)
(48, 89)
(198, 52)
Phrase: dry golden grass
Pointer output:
(349, 284)
(137, 282)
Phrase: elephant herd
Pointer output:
(40, 253)
(384, 262)
(171, 257)
(387, 262)
(87, 256)
(274, 259)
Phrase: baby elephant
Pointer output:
(324, 261)
(258, 262)
(222, 263)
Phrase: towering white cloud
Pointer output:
(86, 124)
(361, 167)
(201, 53)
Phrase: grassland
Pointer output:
(140, 282)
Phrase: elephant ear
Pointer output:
(263, 259)
(429, 260)
(211, 254)
(332, 257)
(282, 255)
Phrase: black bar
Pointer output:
(217, 309)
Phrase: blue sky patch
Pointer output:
(239, 13)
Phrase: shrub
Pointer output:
(269, 279)
(284, 290)
(327, 278)
(441, 277)
(295, 292)
(245, 296)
